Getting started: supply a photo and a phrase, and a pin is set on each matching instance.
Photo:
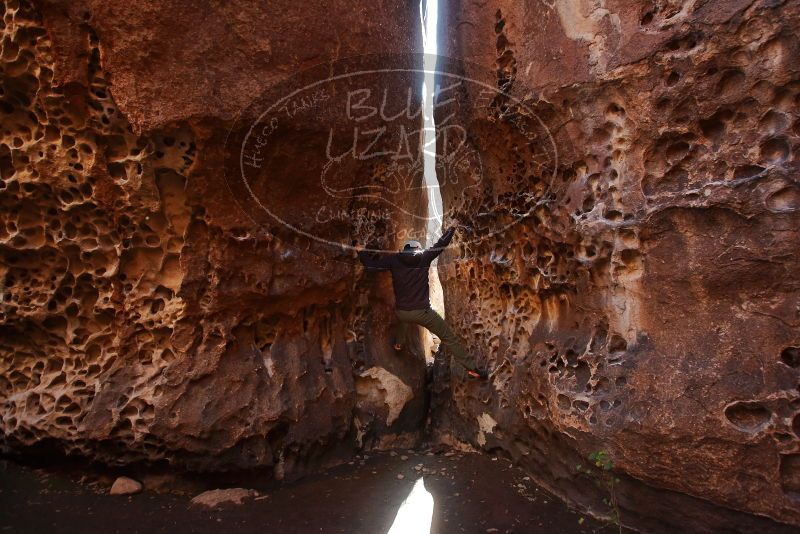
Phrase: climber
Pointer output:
(409, 269)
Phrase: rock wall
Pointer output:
(144, 316)
(648, 307)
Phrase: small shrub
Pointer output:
(602, 472)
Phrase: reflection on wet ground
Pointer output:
(471, 493)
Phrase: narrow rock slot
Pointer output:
(429, 16)
(623, 177)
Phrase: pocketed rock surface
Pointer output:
(143, 314)
(649, 306)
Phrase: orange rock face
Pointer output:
(649, 306)
(627, 266)
(144, 315)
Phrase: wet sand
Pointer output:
(472, 493)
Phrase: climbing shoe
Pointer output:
(477, 374)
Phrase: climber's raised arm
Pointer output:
(438, 247)
(373, 260)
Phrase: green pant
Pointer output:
(431, 320)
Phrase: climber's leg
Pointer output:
(400, 333)
(431, 320)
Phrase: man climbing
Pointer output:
(409, 269)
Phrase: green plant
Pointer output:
(603, 474)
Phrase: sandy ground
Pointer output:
(472, 494)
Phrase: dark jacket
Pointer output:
(409, 272)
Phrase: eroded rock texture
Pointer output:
(650, 306)
(144, 316)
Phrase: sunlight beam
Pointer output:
(429, 14)
(415, 513)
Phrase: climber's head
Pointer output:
(412, 247)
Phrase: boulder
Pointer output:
(125, 486)
(219, 497)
